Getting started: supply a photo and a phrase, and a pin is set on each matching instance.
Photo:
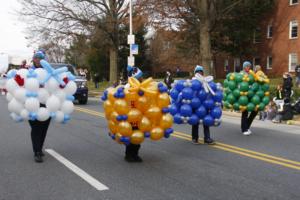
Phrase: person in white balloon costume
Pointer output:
(38, 95)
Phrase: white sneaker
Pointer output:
(247, 133)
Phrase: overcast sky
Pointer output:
(12, 36)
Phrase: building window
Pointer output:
(293, 61)
(293, 29)
(226, 65)
(270, 31)
(256, 61)
(294, 2)
(257, 36)
(269, 62)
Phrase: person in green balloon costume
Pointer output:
(247, 119)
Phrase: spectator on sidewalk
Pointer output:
(168, 79)
(96, 80)
(297, 71)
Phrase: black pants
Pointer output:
(247, 120)
(132, 150)
(195, 132)
(38, 134)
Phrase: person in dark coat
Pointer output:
(168, 79)
(38, 128)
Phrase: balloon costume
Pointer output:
(246, 92)
(197, 101)
(137, 111)
(28, 89)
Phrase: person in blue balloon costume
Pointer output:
(197, 101)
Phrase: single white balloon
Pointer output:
(53, 103)
(32, 85)
(43, 114)
(67, 107)
(41, 74)
(61, 95)
(43, 95)
(11, 85)
(24, 114)
(32, 104)
(14, 106)
(52, 85)
(59, 117)
(23, 73)
(20, 94)
(70, 88)
(9, 97)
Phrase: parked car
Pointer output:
(82, 90)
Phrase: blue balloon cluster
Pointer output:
(192, 104)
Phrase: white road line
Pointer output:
(85, 176)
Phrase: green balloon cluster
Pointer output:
(244, 92)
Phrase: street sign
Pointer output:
(131, 61)
(131, 39)
(135, 49)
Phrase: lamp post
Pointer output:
(131, 37)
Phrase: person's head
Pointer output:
(257, 68)
(279, 87)
(247, 66)
(24, 62)
(37, 57)
(286, 75)
(199, 69)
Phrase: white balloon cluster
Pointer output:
(38, 94)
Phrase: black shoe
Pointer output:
(195, 141)
(132, 159)
(137, 159)
(38, 157)
(209, 141)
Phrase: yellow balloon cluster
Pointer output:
(137, 111)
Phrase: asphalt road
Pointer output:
(262, 166)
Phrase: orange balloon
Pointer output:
(166, 121)
(143, 104)
(113, 116)
(156, 133)
(111, 92)
(113, 127)
(121, 107)
(131, 96)
(154, 113)
(118, 138)
(125, 129)
(137, 137)
(163, 100)
(145, 125)
(134, 116)
(108, 107)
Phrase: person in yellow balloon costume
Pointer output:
(136, 111)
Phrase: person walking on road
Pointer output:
(96, 80)
(246, 120)
(132, 150)
(195, 128)
(38, 128)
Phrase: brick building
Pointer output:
(278, 47)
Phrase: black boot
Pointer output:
(209, 141)
(38, 157)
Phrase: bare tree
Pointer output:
(69, 18)
(201, 15)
